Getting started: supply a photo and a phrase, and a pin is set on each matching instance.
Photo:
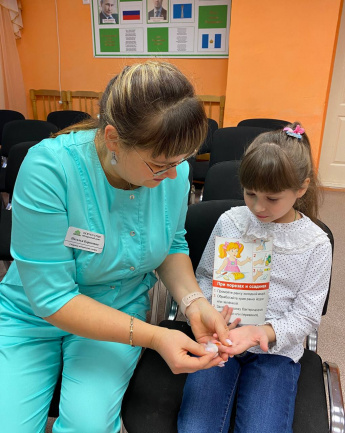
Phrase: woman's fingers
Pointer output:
(178, 351)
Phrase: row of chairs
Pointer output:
(61, 119)
(54, 100)
(45, 101)
(226, 144)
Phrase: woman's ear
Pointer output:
(111, 138)
(303, 190)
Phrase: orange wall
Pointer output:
(280, 64)
(38, 53)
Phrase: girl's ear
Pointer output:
(111, 138)
(303, 190)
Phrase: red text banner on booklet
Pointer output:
(241, 277)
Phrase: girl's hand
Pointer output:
(174, 347)
(226, 313)
(247, 336)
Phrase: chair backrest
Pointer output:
(207, 144)
(25, 130)
(272, 124)
(222, 182)
(44, 101)
(65, 118)
(213, 103)
(230, 143)
(7, 116)
(82, 100)
(200, 221)
(15, 158)
(329, 233)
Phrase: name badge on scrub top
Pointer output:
(84, 240)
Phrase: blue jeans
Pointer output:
(266, 387)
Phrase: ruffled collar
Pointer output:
(289, 238)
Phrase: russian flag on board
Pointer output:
(131, 15)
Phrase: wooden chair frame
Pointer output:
(84, 99)
(52, 100)
(210, 101)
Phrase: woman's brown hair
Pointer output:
(152, 106)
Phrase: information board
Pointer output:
(161, 28)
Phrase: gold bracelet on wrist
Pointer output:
(131, 332)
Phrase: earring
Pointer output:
(113, 160)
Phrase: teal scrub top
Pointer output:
(61, 184)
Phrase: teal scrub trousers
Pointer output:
(94, 379)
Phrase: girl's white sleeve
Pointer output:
(305, 313)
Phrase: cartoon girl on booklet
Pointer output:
(230, 252)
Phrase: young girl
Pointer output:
(281, 194)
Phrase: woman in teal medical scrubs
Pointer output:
(95, 210)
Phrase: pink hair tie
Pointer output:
(297, 132)
(225, 246)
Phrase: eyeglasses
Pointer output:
(169, 166)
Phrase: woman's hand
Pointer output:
(206, 321)
(174, 347)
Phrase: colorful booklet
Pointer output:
(241, 278)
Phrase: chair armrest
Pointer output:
(336, 403)
(311, 341)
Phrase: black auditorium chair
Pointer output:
(15, 158)
(19, 131)
(222, 182)
(64, 118)
(7, 116)
(271, 124)
(201, 161)
(230, 143)
(154, 395)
